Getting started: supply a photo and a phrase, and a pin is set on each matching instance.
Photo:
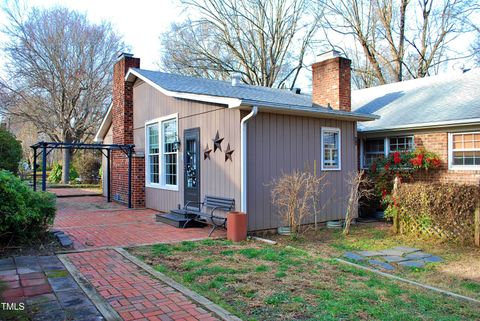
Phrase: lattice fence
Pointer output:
(446, 212)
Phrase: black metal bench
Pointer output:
(213, 203)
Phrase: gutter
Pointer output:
(417, 126)
(243, 151)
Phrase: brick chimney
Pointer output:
(331, 81)
(122, 109)
(122, 122)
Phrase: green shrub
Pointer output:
(88, 164)
(11, 151)
(24, 214)
(444, 211)
(55, 175)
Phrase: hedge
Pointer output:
(438, 210)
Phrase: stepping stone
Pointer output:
(354, 256)
(83, 312)
(370, 253)
(65, 241)
(7, 267)
(70, 299)
(432, 259)
(6, 261)
(63, 284)
(391, 252)
(382, 265)
(417, 255)
(394, 258)
(25, 260)
(30, 269)
(415, 264)
(50, 315)
(405, 249)
(40, 299)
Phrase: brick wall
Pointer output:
(331, 83)
(122, 132)
(438, 142)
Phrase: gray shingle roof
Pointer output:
(277, 99)
(202, 86)
(436, 99)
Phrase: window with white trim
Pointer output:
(331, 149)
(374, 148)
(161, 154)
(381, 147)
(169, 135)
(400, 144)
(464, 150)
(153, 154)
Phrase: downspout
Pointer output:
(243, 151)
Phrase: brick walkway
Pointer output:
(132, 292)
(92, 222)
(46, 288)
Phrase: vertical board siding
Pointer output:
(108, 139)
(217, 177)
(281, 143)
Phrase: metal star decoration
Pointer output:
(206, 152)
(228, 153)
(217, 142)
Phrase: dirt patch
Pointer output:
(47, 245)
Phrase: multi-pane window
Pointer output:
(153, 154)
(401, 144)
(330, 148)
(169, 135)
(373, 149)
(381, 147)
(465, 150)
(162, 156)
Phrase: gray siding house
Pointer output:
(195, 137)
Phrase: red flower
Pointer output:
(417, 161)
(384, 193)
(387, 166)
(396, 158)
(436, 162)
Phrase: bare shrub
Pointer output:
(295, 195)
(360, 190)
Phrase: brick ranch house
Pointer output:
(195, 137)
(440, 113)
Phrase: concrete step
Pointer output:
(177, 220)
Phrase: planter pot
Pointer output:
(284, 230)
(236, 226)
(334, 224)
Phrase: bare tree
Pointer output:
(264, 40)
(59, 72)
(400, 38)
(360, 188)
(295, 195)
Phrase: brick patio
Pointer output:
(92, 222)
(132, 292)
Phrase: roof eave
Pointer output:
(430, 125)
(316, 112)
(105, 125)
(132, 75)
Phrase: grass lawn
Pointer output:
(460, 273)
(257, 281)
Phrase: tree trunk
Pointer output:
(67, 156)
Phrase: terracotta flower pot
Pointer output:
(236, 226)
